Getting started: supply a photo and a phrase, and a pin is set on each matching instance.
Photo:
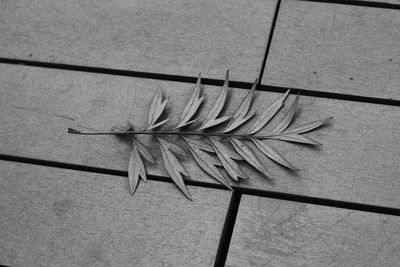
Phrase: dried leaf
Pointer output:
(192, 106)
(206, 162)
(224, 155)
(249, 156)
(211, 119)
(135, 170)
(267, 114)
(215, 153)
(174, 168)
(241, 115)
(308, 126)
(272, 154)
(288, 117)
(295, 138)
(156, 109)
(143, 151)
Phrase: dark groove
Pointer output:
(227, 230)
(207, 81)
(237, 189)
(120, 72)
(358, 3)
(271, 34)
(331, 95)
(84, 168)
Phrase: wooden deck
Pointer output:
(65, 198)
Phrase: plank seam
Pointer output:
(227, 230)
(271, 34)
(240, 190)
(358, 3)
(206, 81)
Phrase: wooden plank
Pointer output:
(182, 37)
(359, 159)
(272, 232)
(336, 48)
(54, 217)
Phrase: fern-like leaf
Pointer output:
(209, 150)
(212, 118)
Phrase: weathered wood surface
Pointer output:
(272, 232)
(358, 162)
(182, 37)
(58, 217)
(336, 48)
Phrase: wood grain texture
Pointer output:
(336, 48)
(359, 159)
(58, 217)
(182, 37)
(272, 232)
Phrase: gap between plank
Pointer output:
(358, 3)
(206, 81)
(239, 190)
(227, 230)
(271, 34)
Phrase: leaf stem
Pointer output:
(74, 131)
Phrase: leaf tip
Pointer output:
(133, 187)
(227, 76)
